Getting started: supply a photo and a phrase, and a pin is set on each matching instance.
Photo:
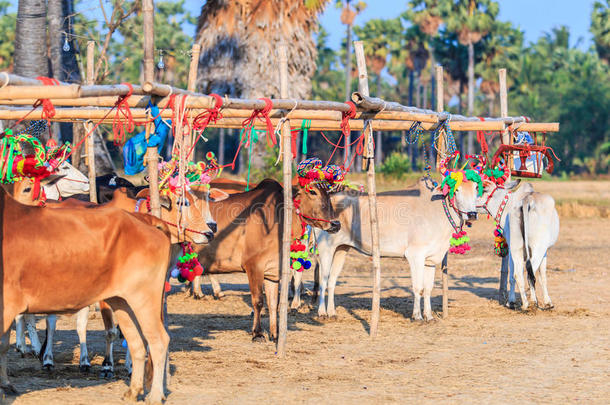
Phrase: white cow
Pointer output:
(531, 226)
(70, 182)
(412, 224)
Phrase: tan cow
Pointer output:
(249, 240)
(62, 260)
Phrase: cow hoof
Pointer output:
(259, 338)
(219, 295)
(132, 395)
(511, 305)
(9, 389)
(106, 374)
(48, 367)
(85, 368)
(154, 399)
(430, 319)
(547, 307)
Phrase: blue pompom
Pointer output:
(175, 273)
(307, 264)
(124, 344)
(300, 260)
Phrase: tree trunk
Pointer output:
(30, 39)
(411, 86)
(491, 100)
(470, 94)
(378, 141)
(348, 87)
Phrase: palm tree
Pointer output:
(600, 28)
(379, 37)
(239, 40)
(501, 49)
(471, 20)
(30, 39)
(348, 15)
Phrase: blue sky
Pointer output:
(534, 17)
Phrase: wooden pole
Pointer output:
(192, 83)
(440, 106)
(90, 144)
(502, 293)
(152, 155)
(287, 225)
(442, 151)
(363, 87)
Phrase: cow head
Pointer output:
(25, 191)
(70, 183)
(312, 195)
(465, 200)
(314, 205)
(188, 217)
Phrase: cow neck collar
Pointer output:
(501, 207)
(449, 215)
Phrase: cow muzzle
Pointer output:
(335, 226)
(209, 236)
(472, 215)
(213, 226)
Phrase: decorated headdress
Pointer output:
(453, 177)
(310, 172)
(199, 173)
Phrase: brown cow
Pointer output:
(198, 213)
(249, 240)
(61, 260)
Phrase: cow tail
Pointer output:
(528, 260)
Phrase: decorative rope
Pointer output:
(122, 109)
(201, 121)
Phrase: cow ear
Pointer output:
(144, 193)
(217, 195)
(165, 202)
(511, 185)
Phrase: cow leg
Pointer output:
(30, 324)
(503, 294)
(428, 273)
(5, 385)
(297, 278)
(111, 335)
(256, 292)
(82, 317)
(548, 304)
(126, 318)
(271, 291)
(150, 320)
(20, 345)
(218, 294)
(47, 355)
(518, 267)
(416, 264)
(335, 270)
(325, 263)
(196, 288)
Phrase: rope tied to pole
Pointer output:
(263, 115)
(202, 120)
(305, 126)
(122, 109)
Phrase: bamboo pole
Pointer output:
(152, 155)
(40, 92)
(505, 140)
(440, 106)
(192, 82)
(363, 88)
(287, 214)
(90, 143)
(442, 150)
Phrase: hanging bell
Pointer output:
(161, 65)
(66, 46)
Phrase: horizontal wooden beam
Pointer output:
(38, 92)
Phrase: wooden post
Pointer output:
(442, 148)
(192, 83)
(502, 293)
(90, 144)
(152, 156)
(363, 87)
(287, 228)
(440, 106)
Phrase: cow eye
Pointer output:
(183, 202)
(312, 192)
(27, 189)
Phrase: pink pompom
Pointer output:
(198, 270)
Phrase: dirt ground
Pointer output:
(482, 353)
